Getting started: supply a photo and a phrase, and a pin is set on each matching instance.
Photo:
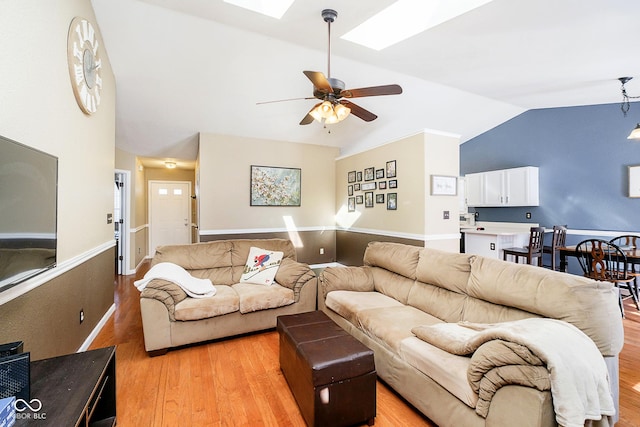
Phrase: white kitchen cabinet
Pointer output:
(473, 189)
(505, 187)
(491, 243)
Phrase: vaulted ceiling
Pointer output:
(189, 66)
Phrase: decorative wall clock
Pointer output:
(85, 64)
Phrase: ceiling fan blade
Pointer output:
(309, 118)
(319, 80)
(372, 91)
(358, 111)
(282, 100)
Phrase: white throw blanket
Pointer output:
(194, 287)
(577, 371)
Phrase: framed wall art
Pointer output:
(351, 177)
(379, 173)
(359, 199)
(351, 204)
(350, 190)
(634, 181)
(391, 169)
(368, 199)
(275, 186)
(368, 186)
(368, 174)
(382, 185)
(392, 201)
(393, 183)
(444, 185)
(379, 198)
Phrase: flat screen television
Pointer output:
(28, 212)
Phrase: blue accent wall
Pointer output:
(583, 154)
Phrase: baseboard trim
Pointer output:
(87, 342)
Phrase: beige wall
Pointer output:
(39, 109)
(409, 215)
(419, 215)
(224, 169)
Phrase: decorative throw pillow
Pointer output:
(261, 267)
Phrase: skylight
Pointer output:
(272, 8)
(406, 18)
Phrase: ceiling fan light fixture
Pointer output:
(342, 111)
(635, 133)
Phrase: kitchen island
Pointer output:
(489, 239)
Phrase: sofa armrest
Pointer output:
(294, 275)
(166, 292)
(346, 279)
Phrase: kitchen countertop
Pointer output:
(498, 228)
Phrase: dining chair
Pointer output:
(605, 261)
(629, 242)
(533, 250)
(557, 241)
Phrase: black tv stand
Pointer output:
(74, 390)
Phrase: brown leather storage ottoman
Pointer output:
(331, 374)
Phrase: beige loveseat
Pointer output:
(403, 288)
(171, 318)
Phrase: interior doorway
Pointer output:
(169, 213)
(121, 220)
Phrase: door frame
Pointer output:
(151, 250)
(125, 233)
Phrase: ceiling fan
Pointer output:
(334, 106)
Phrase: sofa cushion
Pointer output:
(391, 284)
(437, 301)
(395, 257)
(390, 325)
(346, 278)
(225, 301)
(348, 303)
(197, 256)
(551, 294)
(258, 297)
(261, 266)
(444, 269)
(448, 370)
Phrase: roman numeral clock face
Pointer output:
(85, 65)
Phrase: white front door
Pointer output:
(169, 213)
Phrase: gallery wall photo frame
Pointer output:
(442, 185)
(391, 169)
(392, 201)
(275, 186)
(634, 181)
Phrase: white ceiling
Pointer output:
(189, 66)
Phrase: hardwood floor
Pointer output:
(238, 382)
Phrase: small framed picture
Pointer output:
(393, 183)
(380, 198)
(379, 173)
(634, 181)
(444, 185)
(356, 187)
(351, 203)
(392, 201)
(382, 185)
(351, 177)
(368, 174)
(359, 199)
(359, 176)
(368, 186)
(350, 190)
(368, 199)
(391, 169)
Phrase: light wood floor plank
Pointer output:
(238, 382)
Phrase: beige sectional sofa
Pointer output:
(171, 318)
(403, 292)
